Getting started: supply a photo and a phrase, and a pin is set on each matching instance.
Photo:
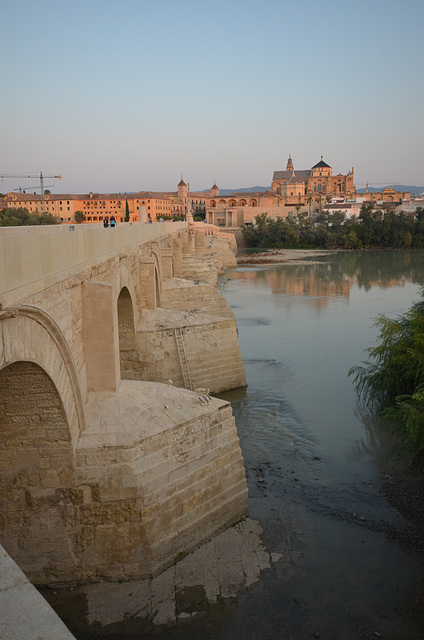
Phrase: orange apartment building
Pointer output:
(95, 206)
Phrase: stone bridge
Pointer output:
(114, 458)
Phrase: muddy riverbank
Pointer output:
(405, 492)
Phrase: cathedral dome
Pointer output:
(321, 164)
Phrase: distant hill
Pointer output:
(228, 192)
(396, 187)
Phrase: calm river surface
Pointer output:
(320, 503)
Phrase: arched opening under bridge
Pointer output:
(39, 524)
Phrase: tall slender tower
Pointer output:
(182, 191)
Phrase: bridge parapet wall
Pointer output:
(34, 260)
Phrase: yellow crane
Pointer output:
(32, 176)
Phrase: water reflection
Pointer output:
(378, 443)
(315, 281)
(335, 275)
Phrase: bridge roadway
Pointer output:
(109, 468)
(40, 255)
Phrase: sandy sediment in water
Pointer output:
(283, 256)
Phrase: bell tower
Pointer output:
(215, 189)
(182, 191)
(289, 164)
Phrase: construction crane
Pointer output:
(33, 187)
(32, 176)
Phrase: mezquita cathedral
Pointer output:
(292, 191)
(296, 191)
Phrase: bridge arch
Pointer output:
(128, 354)
(29, 334)
(157, 276)
(37, 501)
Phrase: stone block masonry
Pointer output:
(171, 475)
(108, 469)
(209, 331)
(212, 353)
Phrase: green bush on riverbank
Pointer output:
(373, 228)
(21, 217)
(392, 380)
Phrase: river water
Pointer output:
(314, 461)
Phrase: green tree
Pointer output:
(391, 381)
(21, 217)
(79, 217)
(373, 228)
(127, 211)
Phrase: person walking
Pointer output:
(105, 223)
(113, 221)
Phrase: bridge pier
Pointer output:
(100, 336)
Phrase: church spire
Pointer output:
(289, 164)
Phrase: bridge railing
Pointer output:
(31, 254)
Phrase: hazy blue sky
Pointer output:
(122, 95)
